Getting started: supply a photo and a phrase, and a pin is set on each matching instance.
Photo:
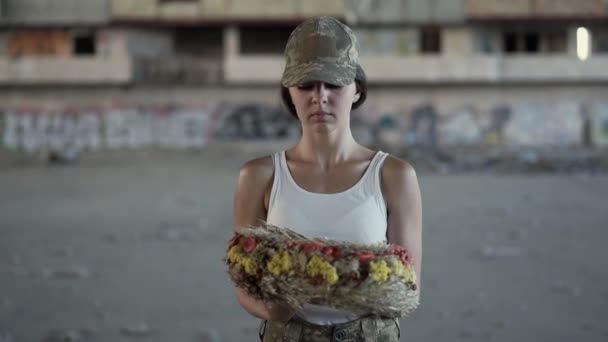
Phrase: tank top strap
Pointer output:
(373, 182)
(276, 178)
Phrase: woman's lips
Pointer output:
(320, 116)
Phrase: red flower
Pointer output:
(332, 253)
(311, 247)
(249, 244)
(405, 258)
(337, 253)
(234, 241)
(395, 249)
(328, 251)
(290, 244)
(364, 257)
(401, 253)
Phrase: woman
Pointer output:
(328, 185)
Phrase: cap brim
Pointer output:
(331, 73)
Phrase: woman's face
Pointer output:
(322, 105)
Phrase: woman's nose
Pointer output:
(320, 93)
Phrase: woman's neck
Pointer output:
(326, 149)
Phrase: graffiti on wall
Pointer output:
(127, 127)
(182, 127)
(32, 130)
(253, 120)
(599, 123)
(502, 124)
(560, 124)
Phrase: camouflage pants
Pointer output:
(365, 329)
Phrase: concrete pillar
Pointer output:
(3, 43)
(232, 42)
(571, 50)
(457, 41)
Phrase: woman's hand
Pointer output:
(263, 310)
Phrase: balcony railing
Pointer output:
(177, 70)
(440, 69)
(65, 70)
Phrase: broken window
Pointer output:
(430, 39)
(84, 43)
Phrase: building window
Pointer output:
(264, 40)
(510, 42)
(84, 43)
(199, 42)
(533, 42)
(430, 39)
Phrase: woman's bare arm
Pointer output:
(402, 193)
(249, 210)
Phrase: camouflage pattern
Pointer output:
(369, 329)
(321, 49)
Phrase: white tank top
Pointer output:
(357, 214)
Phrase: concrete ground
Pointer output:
(128, 246)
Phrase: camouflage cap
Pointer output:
(321, 49)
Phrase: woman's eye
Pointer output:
(306, 86)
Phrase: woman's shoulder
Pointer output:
(258, 169)
(397, 172)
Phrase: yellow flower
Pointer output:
(407, 273)
(248, 265)
(410, 275)
(379, 270)
(280, 263)
(233, 254)
(398, 268)
(317, 266)
(237, 258)
(330, 275)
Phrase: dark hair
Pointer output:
(360, 81)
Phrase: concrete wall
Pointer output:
(535, 8)
(56, 12)
(221, 10)
(578, 8)
(133, 8)
(433, 11)
(497, 8)
(192, 117)
(405, 11)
